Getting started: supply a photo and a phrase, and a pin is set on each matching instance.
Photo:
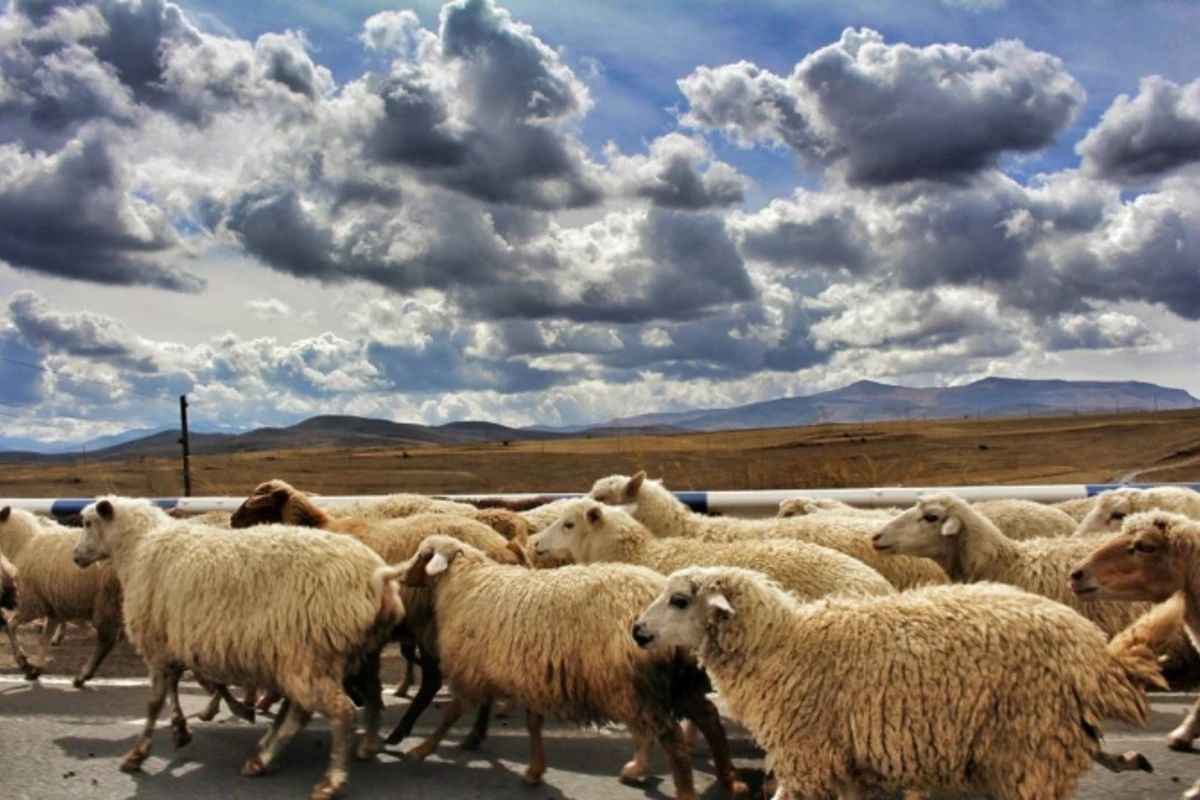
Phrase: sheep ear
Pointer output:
(437, 565)
(5, 513)
(105, 510)
(718, 603)
(1162, 523)
(952, 526)
(594, 514)
(635, 485)
(280, 497)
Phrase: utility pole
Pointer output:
(183, 440)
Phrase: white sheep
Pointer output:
(1113, 506)
(1017, 519)
(980, 689)
(590, 532)
(666, 516)
(51, 587)
(395, 506)
(1077, 507)
(557, 641)
(289, 609)
(970, 548)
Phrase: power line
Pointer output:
(97, 381)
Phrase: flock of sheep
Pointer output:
(948, 647)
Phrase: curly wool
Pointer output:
(989, 689)
(399, 505)
(603, 534)
(980, 552)
(1025, 519)
(654, 506)
(556, 641)
(218, 603)
(216, 519)
(1077, 508)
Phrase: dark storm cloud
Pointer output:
(71, 215)
(1141, 138)
(678, 173)
(881, 114)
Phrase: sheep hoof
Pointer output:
(78, 682)
(206, 715)
(326, 789)
(471, 743)
(181, 736)
(33, 673)
(633, 772)
(418, 753)
(1179, 743)
(254, 767)
(367, 750)
(1139, 762)
(532, 776)
(134, 759)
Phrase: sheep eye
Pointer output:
(930, 517)
(1144, 547)
(1117, 516)
(680, 602)
(568, 525)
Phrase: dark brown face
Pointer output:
(263, 507)
(1133, 565)
(415, 574)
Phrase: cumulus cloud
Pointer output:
(878, 114)
(678, 172)
(1142, 138)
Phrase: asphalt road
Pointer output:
(58, 742)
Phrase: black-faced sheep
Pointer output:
(221, 605)
(557, 641)
(988, 690)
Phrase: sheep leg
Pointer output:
(670, 737)
(273, 731)
(372, 689)
(635, 770)
(235, 706)
(1182, 737)
(1131, 761)
(35, 670)
(179, 727)
(1193, 793)
(59, 633)
(453, 711)
(107, 636)
(250, 697)
(479, 730)
(537, 748)
(335, 704)
(214, 701)
(704, 714)
(505, 708)
(19, 656)
(268, 699)
(141, 748)
(431, 683)
(287, 726)
(409, 651)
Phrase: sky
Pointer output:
(538, 212)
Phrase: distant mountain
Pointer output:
(864, 401)
(867, 401)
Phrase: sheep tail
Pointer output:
(1130, 670)
(391, 608)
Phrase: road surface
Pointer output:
(57, 743)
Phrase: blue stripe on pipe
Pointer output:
(697, 501)
(1096, 488)
(67, 507)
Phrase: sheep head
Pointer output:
(1110, 510)
(96, 543)
(1142, 562)
(433, 559)
(684, 615)
(618, 490)
(566, 536)
(264, 506)
(926, 530)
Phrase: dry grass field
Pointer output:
(1162, 446)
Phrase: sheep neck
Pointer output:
(130, 538)
(662, 512)
(761, 618)
(15, 534)
(1187, 549)
(626, 542)
(301, 510)
(978, 547)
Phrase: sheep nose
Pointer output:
(877, 537)
(1077, 575)
(640, 635)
